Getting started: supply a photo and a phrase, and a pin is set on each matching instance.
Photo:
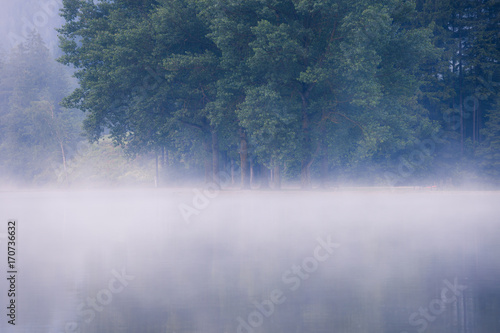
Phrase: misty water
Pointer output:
(246, 262)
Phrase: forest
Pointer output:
(257, 94)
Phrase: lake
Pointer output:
(203, 260)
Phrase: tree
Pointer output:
(299, 87)
(489, 151)
(37, 132)
(118, 45)
(301, 66)
(460, 88)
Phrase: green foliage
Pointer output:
(357, 84)
(271, 124)
(461, 88)
(489, 151)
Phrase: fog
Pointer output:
(205, 260)
(19, 18)
(413, 251)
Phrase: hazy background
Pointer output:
(18, 17)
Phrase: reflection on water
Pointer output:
(249, 262)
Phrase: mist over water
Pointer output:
(128, 261)
(400, 95)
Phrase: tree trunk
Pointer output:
(271, 172)
(232, 172)
(277, 177)
(208, 162)
(323, 149)
(58, 136)
(167, 165)
(156, 168)
(305, 172)
(225, 161)
(245, 176)
(162, 160)
(324, 166)
(461, 123)
(252, 178)
(215, 158)
(263, 176)
(478, 111)
(64, 160)
(460, 87)
(474, 124)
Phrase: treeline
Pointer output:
(308, 91)
(41, 143)
(37, 135)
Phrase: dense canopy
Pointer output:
(310, 91)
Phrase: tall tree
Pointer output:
(301, 67)
(460, 88)
(144, 70)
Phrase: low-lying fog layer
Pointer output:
(249, 262)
